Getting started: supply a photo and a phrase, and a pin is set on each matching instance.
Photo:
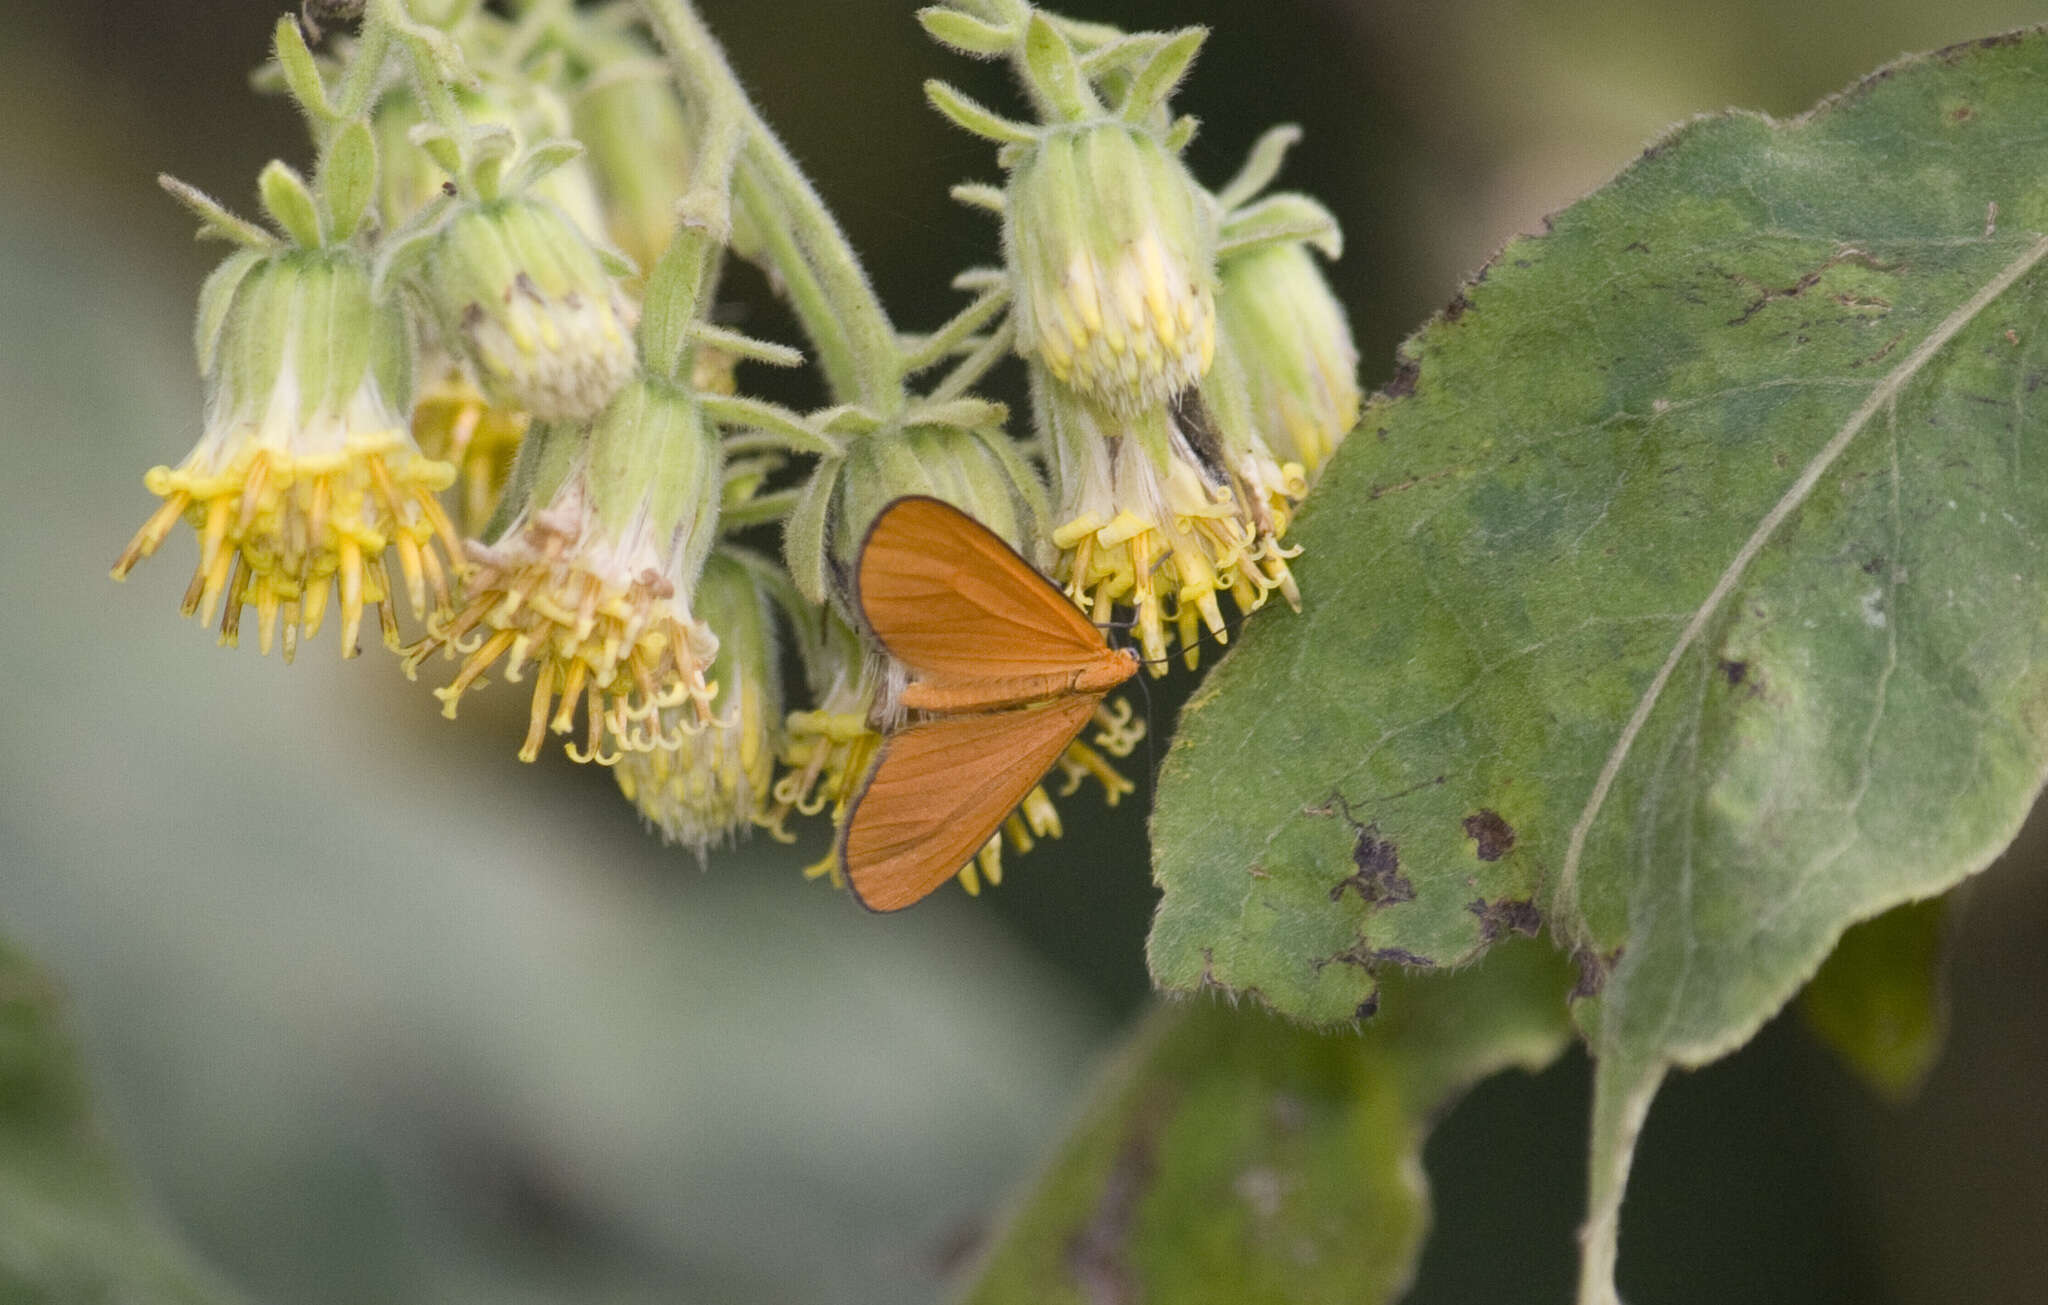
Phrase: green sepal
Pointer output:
(652, 452)
(348, 179)
(1181, 133)
(401, 253)
(440, 145)
(1161, 73)
(1054, 74)
(1226, 397)
(289, 203)
(492, 147)
(216, 298)
(1261, 165)
(1281, 219)
(215, 222)
(942, 343)
(966, 414)
(788, 429)
(301, 71)
(746, 346)
(1114, 58)
(966, 34)
(1030, 486)
(803, 532)
(969, 115)
(978, 194)
(978, 280)
(540, 160)
(758, 509)
(849, 419)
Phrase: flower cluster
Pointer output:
(470, 367)
(1190, 368)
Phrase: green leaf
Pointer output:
(70, 1227)
(1686, 582)
(1879, 1001)
(1232, 1159)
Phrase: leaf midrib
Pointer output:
(1884, 392)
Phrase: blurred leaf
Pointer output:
(70, 1229)
(1880, 1002)
(1235, 1159)
(1685, 582)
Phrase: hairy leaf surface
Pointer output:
(1684, 589)
(1232, 1159)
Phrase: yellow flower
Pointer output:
(1111, 254)
(1166, 532)
(454, 422)
(306, 474)
(711, 782)
(589, 587)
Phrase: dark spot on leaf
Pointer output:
(1593, 971)
(1508, 915)
(1369, 1007)
(1403, 383)
(1523, 262)
(1880, 355)
(1874, 565)
(1635, 247)
(1398, 956)
(1378, 876)
(1495, 836)
(1456, 308)
(1735, 671)
(1951, 53)
(1962, 113)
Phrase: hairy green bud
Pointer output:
(526, 299)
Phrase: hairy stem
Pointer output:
(825, 282)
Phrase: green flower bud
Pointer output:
(1111, 253)
(1289, 337)
(641, 152)
(974, 470)
(525, 298)
(713, 783)
(589, 586)
(306, 471)
(409, 178)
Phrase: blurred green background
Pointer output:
(378, 1013)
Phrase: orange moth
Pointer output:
(1007, 672)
